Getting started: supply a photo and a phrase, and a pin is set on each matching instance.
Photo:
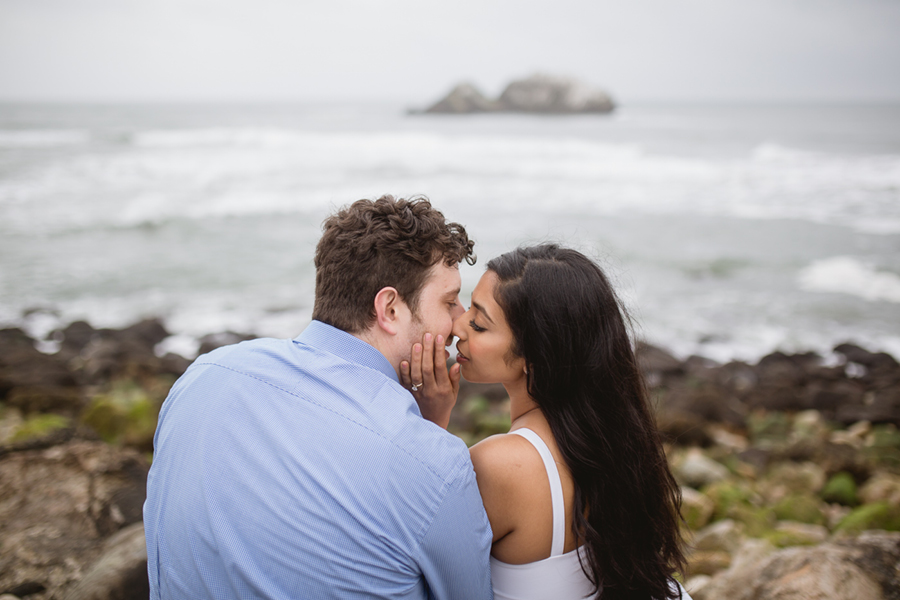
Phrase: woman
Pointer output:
(546, 323)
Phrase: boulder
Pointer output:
(881, 487)
(707, 562)
(706, 403)
(726, 535)
(696, 508)
(656, 363)
(782, 370)
(863, 568)
(121, 571)
(23, 366)
(59, 505)
(736, 376)
(697, 470)
(870, 360)
(877, 406)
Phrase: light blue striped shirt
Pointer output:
(292, 469)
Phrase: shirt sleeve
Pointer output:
(455, 553)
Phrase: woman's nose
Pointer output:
(459, 326)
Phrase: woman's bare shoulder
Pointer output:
(505, 459)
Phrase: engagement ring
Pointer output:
(416, 386)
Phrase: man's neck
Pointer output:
(379, 343)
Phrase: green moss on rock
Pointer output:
(39, 426)
(757, 520)
(883, 446)
(126, 415)
(726, 495)
(878, 515)
(841, 488)
(803, 508)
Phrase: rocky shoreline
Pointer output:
(790, 467)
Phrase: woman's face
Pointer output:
(485, 339)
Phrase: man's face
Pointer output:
(439, 305)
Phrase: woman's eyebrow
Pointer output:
(480, 309)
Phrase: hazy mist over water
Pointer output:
(730, 230)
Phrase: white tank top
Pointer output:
(558, 577)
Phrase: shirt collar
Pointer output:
(346, 346)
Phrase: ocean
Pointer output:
(730, 231)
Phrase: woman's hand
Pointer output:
(432, 384)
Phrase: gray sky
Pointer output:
(415, 50)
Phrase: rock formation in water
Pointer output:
(540, 93)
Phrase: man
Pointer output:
(290, 469)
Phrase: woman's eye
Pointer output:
(475, 326)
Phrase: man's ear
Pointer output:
(390, 310)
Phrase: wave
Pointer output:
(161, 175)
(42, 138)
(847, 275)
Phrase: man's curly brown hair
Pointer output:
(373, 244)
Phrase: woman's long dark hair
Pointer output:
(570, 327)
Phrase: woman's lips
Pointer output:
(460, 357)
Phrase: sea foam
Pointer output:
(42, 138)
(847, 275)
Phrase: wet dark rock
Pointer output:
(782, 370)
(883, 407)
(147, 332)
(737, 376)
(210, 342)
(74, 337)
(700, 366)
(128, 353)
(870, 360)
(656, 364)
(46, 398)
(683, 429)
(708, 403)
(27, 588)
(785, 397)
(23, 366)
(829, 396)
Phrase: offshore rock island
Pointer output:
(542, 94)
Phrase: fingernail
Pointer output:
(440, 340)
(417, 348)
(427, 337)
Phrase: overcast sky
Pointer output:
(415, 50)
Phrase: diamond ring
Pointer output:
(415, 387)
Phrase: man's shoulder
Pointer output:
(435, 449)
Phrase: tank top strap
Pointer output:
(556, 494)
